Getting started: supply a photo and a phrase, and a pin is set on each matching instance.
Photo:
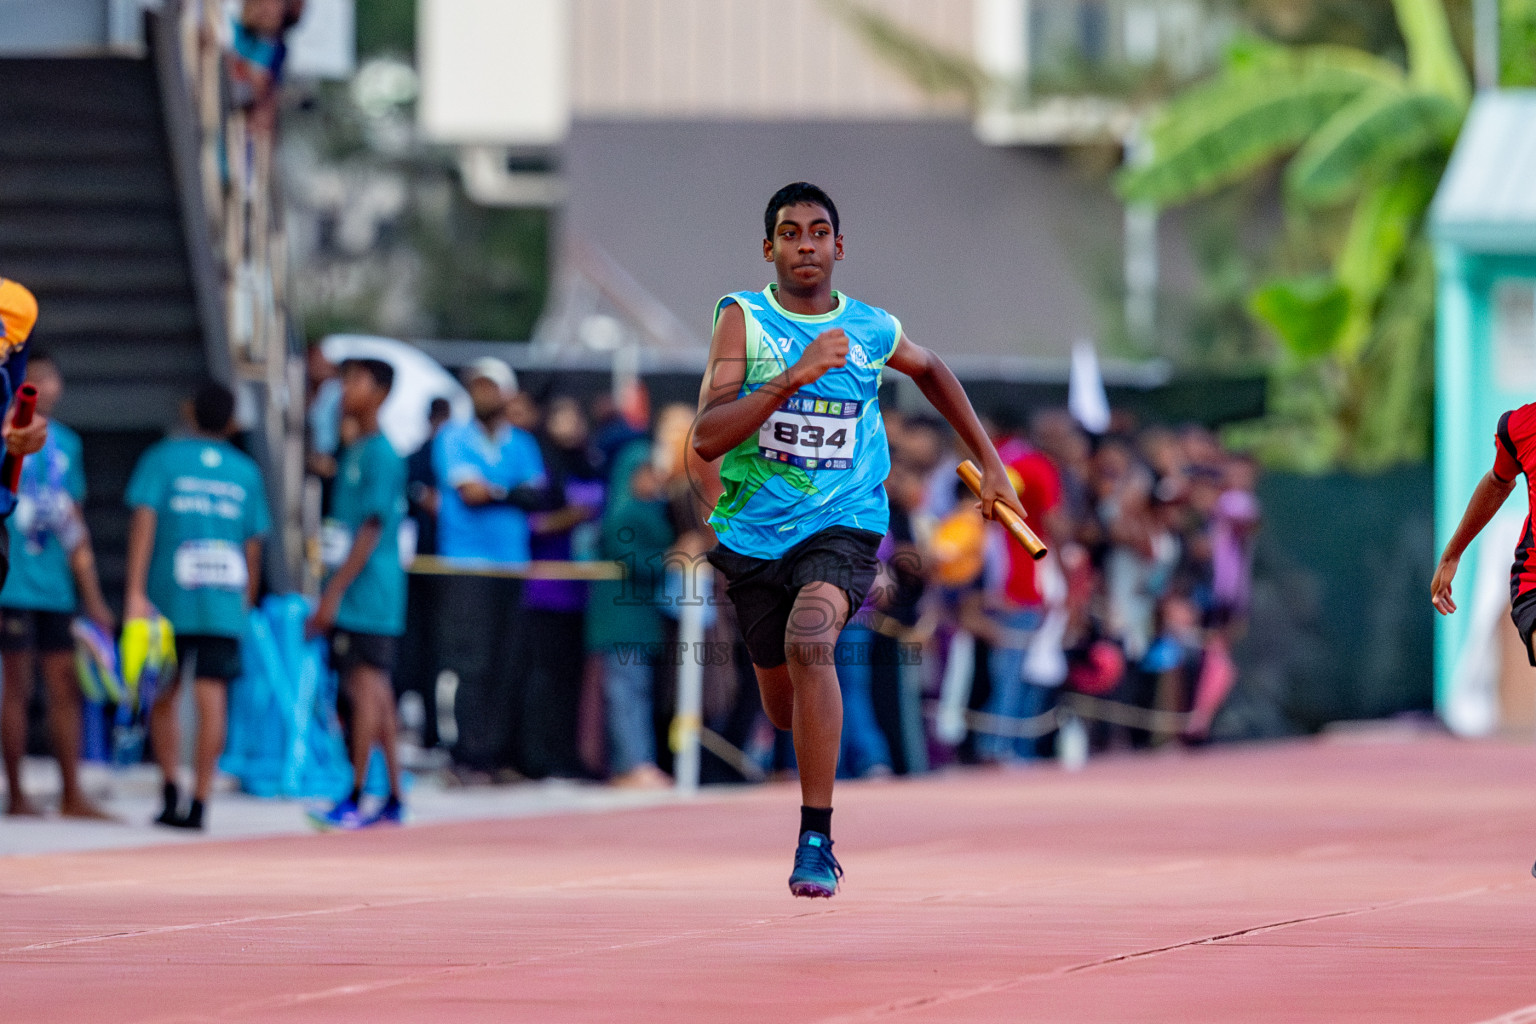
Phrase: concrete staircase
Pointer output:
(90, 220)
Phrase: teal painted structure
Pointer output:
(1483, 223)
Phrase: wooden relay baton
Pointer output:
(10, 467)
(1004, 514)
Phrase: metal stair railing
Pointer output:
(231, 194)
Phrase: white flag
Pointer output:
(1086, 399)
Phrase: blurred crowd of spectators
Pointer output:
(1139, 601)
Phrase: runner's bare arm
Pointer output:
(725, 420)
(252, 571)
(141, 544)
(704, 483)
(82, 566)
(1486, 501)
(938, 384)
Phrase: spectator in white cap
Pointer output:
(486, 467)
(491, 476)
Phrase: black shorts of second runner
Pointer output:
(764, 589)
(199, 656)
(349, 649)
(26, 629)
(1524, 614)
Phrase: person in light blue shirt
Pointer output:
(363, 604)
(51, 557)
(194, 555)
(491, 474)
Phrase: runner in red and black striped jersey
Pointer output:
(1514, 453)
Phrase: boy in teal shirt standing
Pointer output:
(194, 555)
(51, 558)
(363, 604)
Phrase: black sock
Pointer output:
(816, 819)
(172, 804)
(194, 818)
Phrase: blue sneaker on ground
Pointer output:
(343, 815)
(390, 812)
(816, 870)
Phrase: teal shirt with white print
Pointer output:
(370, 485)
(209, 500)
(821, 459)
(46, 526)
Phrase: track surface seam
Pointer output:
(1001, 985)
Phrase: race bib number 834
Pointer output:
(812, 433)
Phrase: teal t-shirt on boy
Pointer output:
(370, 484)
(208, 499)
(45, 526)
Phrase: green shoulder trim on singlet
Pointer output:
(880, 364)
(764, 362)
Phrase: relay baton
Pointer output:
(1004, 514)
(10, 468)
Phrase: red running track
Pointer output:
(1314, 881)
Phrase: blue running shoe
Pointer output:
(816, 870)
(343, 815)
(390, 812)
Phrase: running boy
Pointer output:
(194, 555)
(363, 604)
(789, 406)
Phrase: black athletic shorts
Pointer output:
(26, 629)
(349, 649)
(1524, 614)
(208, 657)
(764, 589)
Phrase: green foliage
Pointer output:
(1368, 25)
(1268, 103)
(1517, 44)
(1308, 313)
(1362, 139)
(1433, 62)
(1394, 397)
(386, 27)
(1385, 221)
(485, 270)
(1379, 130)
(1209, 326)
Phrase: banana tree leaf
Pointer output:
(1246, 50)
(1222, 131)
(1517, 44)
(1308, 314)
(1434, 64)
(1379, 129)
(1394, 405)
(1385, 222)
